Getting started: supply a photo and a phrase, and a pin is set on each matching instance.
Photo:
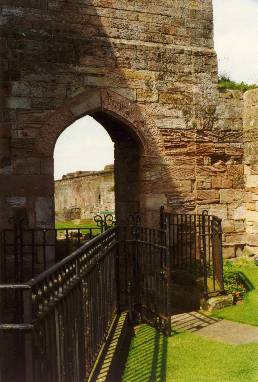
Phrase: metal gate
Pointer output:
(195, 245)
(148, 277)
(56, 324)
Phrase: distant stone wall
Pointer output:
(81, 195)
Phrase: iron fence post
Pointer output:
(162, 217)
(221, 254)
(168, 266)
(117, 265)
(204, 251)
(2, 256)
(28, 340)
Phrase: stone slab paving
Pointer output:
(221, 330)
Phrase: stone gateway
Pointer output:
(147, 71)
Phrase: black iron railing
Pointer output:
(195, 245)
(146, 279)
(26, 252)
(59, 321)
(53, 327)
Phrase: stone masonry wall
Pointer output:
(82, 195)
(148, 71)
(148, 64)
(251, 169)
(224, 175)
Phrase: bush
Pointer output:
(233, 282)
(226, 83)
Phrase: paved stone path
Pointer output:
(222, 330)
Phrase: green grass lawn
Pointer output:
(247, 311)
(83, 224)
(187, 357)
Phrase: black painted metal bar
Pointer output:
(65, 308)
(65, 312)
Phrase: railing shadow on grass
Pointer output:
(147, 359)
(133, 354)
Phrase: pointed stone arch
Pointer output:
(91, 101)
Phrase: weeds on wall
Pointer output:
(226, 83)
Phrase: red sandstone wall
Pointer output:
(155, 69)
(159, 57)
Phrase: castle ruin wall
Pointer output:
(150, 66)
(80, 196)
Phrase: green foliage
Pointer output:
(226, 83)
(233, 282)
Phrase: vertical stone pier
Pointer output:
(251, 168)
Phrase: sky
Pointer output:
(85, 145)
(236, 38)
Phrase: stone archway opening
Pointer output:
(115, 189)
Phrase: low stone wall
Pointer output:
(82, 195)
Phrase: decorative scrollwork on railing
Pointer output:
(104, 222)
(135, 219)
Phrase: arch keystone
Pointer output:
(85, 103)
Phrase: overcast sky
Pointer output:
(86, 146)
(236, 38)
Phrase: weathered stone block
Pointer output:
(229, 196)
(26, 166)
(81, 105)
(209, 196)
(228, 252)
(252, 240)
(228, 226)
(251, 250)
(239, 226)
(234, 239)
(154, 201)
(252, 216)
(252, 206)
(145, 95)
(204, 183)
(221, 182)
(252, 181)
(18, 103)
(220, 302)
(44, 208)
(239, 212)
(125, 92)
(16, 201)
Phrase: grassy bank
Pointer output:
(247, 311)
(188, 357)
